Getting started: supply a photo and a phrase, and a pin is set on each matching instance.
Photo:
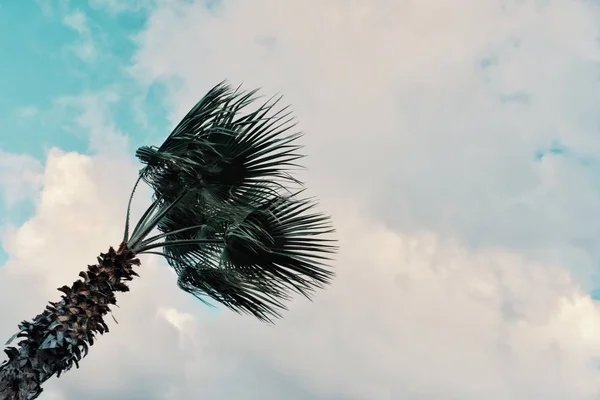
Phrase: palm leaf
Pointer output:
(237, 292)
(250, 265)
(230, 228)
(281, 242)
(222, 151)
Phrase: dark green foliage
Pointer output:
(218, 148)
(274, 249)
(232, 230)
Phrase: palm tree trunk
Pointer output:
(55, 339)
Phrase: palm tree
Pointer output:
(224, 217)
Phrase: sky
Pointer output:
(456, 146)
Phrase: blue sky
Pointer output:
(60, 51)
(44, 65)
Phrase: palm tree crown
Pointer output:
(230, 228)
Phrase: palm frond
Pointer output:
(281, 242)
(218, 148)
(128, 215)
(250, 264)
(234, 290)
(228, 224)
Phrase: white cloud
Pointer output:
(85, 48)
(26, 111)
(414, 317)
(46, 7)
(91, 113)
(20, 177)
(430, 116)
(119, 6)
(183, 322)
(77, 21)
(421, 131)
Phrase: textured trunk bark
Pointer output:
(61, 335)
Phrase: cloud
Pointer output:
(26, 111)
(20, 177)
(409, 316)
(77, 21)
(431, 118)
(85, 48)
(46, 7)
(420, 101)
(90, 113)
(121, 6)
